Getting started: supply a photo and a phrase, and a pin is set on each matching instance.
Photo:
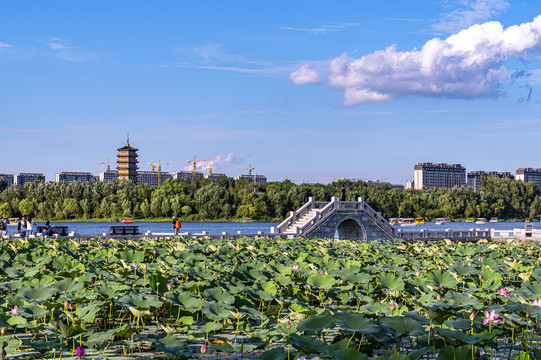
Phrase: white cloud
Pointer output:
(322, 29)
(4, 45)
(468, 64)
(220, 163)
(471, 12)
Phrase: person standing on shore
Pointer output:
(176, 225)
(21, 227)
(343, 193)
(3, 226)
(30, 226)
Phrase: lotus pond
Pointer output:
(269, 299)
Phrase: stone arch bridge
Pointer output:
(353, 220)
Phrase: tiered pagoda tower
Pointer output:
(127, 162)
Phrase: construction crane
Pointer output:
(380, 180)
(210, 171)
(194, 163)
(332, 178)
(108, 163)
(159, 166)
(249, 168)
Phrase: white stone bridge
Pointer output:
(353, 220)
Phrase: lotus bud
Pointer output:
(66, 303)
(288, 325)
(154, 251)
(472, 316)
(92, 280)
(528, 314)
(44, 266)
(418, 273)
(169, 287)
(431, 331)
(3, 353)
(480, 277)
(80, 351)
(204, 348)
(99, 276)
(3, 331)
(438, 297)
(393, 307)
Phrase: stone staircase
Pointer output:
(299, 223)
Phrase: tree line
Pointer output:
(228, 199)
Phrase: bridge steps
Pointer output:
(310, 215)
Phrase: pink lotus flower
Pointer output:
(491, 317)
(80, 351)
(195, 242)
(14, 310)
(321, 272)
(418, 272)
(537, 303)
(295, 267)
(204, 348)
(135, 265)
(472, 316)
(504, 291)
(169, 287)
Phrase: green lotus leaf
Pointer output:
(280, 268)
(211, 326)
(131, 257)
(524, 356)
(32, 311)
(348, 354)
(185, 300)
(218, 295)
(320, 281)
(170, 344)
(461, 299)
(12, 285)
(390, 282)
(401, 326)
(455, 353)
(68, 285)
(278, 353)
(216, 312)
(7, 320)
(68, 331)
(442, 279)
(316, 323)
(308, 345)
(530, 290)
(356, 322)
(98, 338)
(284, 280)
(140, 302)
(38, 294)
(88, 313)
(10, 344)
(156, 281)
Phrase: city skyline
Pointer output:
(302, 89)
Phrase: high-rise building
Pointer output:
(529, 174)
(127, 162)
(10, 179)
(437, 175)
(186, 175)
(73, 176)
(258, 179)
(474, 177)
(410, 184)
(151, 177)
(214, 176)
(109, 175)
(23, 178)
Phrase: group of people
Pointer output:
(26, 226)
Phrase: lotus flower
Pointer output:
(295, 267)
(504, 291)
(491, 317)
(14, 310)
(80, 351)
(472, 316)
(3, 331)
(418, 272)
(537, 303)
(204, 348)
(169, 287)
(135, 265)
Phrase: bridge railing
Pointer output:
(321, 214)
(296, 215)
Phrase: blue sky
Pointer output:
(302, 89)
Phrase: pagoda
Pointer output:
(127, 162)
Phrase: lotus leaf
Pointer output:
(455, 353)
(184, 299)
(10, 344)
(442, 279)
(38, 294)
(170, 344)
(88, 313)
(356, 322)
(320, 281)
(218, 295)
(274, 354)
(390, 282)
(316, 323)
(139, 302)
(308, 345)
(216, 312)
(401, 326)
(32, 311)
(68, 285)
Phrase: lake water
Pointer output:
(165, 227)
(254, 227)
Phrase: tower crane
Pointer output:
(249, 168)
(159, 166)
(210, 171)
(380, 180)
(194, 163)
(332, 178)
(294, 179)
(108, 163)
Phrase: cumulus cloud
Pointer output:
(468, 64)
(220, 163)
(471, 12)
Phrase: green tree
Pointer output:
(26, 207)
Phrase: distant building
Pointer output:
(23, 178)
(410, 184)
(108, 175)
(10, 179)
(214, 176)
(73, 176)
(127, 162)
(438, 175)
(529, 174)
(186, 175)
(474, 177)
(258, 179)
(151, 177)
(379, 183)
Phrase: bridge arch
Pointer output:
(350, 229)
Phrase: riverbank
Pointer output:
(155, 220)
